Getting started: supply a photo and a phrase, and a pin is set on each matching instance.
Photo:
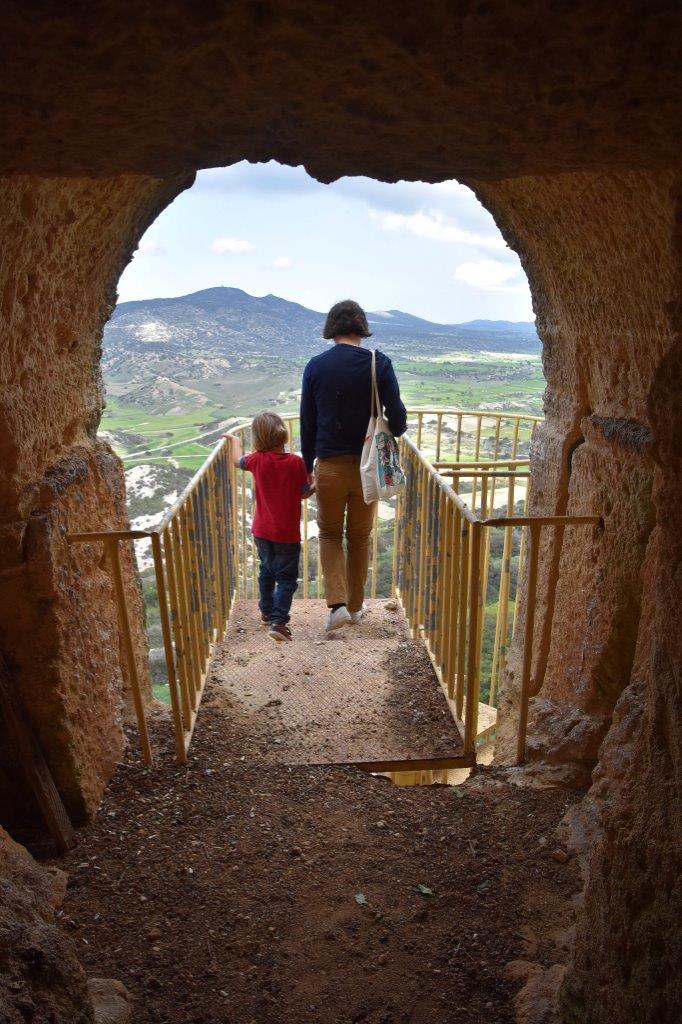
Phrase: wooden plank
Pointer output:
(30, 757)
(414, 764)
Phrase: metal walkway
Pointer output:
(366, 694)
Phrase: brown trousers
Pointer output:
(339, 496)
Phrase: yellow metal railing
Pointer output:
(442, 558)
(467, 482)
(193, 549)
(456, 435)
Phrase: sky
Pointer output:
(429, 250)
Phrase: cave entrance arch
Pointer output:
(591, 209)
(163, 352)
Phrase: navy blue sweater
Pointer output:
(336, 401)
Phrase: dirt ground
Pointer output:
(222, 892)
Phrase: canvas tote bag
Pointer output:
(380, 468)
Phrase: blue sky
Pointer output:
(431, 250)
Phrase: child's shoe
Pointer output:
(265, 619)
(278, 631)
(338, 618)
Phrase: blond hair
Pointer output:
(268, 432)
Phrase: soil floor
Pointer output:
(231, 893)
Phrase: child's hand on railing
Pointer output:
(235, 445)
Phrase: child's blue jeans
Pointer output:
(277, 578)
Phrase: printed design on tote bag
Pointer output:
(380, 469)
(388, 465)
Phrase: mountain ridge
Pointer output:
(220, 329)
(397, 316)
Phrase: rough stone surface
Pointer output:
(111, 1001)
(66, 243)
(602, 344)
(425, 91)
(628, 942)
(566, 121)
(583, 825)
(70, 674)
(536, 1003)
(40, 977)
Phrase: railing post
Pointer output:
(375, 551)
(124, 621)
(306, 564)
(524, 696)
(455, 545)
(179, 625)
(471, 712)
(396, 531)
(421, 554)
(501, 626)
(463, 605)
(168, 648)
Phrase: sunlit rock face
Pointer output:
(65, 244)
(597, 250)
(565, 124)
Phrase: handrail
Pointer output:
(194, 568)
(440, 567)
(443, 583)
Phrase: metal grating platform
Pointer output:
(367, 693)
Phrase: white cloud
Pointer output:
(149, 247)
(281, 262)
(434, 225)
(491, 276)
(232, 245)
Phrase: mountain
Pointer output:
(202, 335)
(506, 326)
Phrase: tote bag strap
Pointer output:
(376, 403)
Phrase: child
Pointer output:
(281, 481)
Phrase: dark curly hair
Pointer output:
(346, 317)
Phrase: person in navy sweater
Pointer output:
(280, 482)
(335, 412)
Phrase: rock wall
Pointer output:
(597, 251)
(565, 119)
(629, 942)
(483, 90)
(40, 977)
(65, 245)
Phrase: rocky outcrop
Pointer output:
(40, 977)
(66, 242)
(603, 276)
(628, 943)
(71, 676)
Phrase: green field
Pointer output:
(154, 435)
(473, 382)
(155, 438)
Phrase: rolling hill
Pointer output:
(210, 332)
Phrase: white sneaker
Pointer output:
(356, 617)
(337, 619)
